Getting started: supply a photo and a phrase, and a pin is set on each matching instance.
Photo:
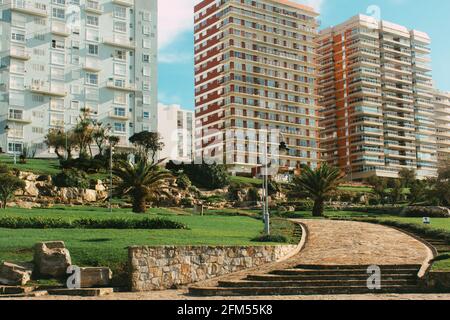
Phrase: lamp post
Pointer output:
(111, 148)
(282, 148)
(7, 129)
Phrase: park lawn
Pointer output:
(37, 166)
(109, 247)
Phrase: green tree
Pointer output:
(407, 177)
(209, 176)
(62, 142)
(140, 181)
(417, 191)
(83, 133)
(379, 186)
(396, 192)
(9, 184)
(147, 144)
(319, 184)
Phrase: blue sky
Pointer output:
(176, 59)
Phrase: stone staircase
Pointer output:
(441, 246)
(317, 279)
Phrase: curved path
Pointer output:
(357, 243)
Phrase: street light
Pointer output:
(283, 148)
(111, 148)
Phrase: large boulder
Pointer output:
(95, 277)
(15, 274)
(31, 189)
(89, 195)
(52, 259)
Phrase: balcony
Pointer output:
(119, 41)
(119, 115)
(19, 53)
(93, 7)
(18, 117)
(29, 7)
(60, 29)
(92, 65)
(121, 85)
(48, 89)
(127, 3)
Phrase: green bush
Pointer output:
(209, 176)
(271, 238)
(183, 181)
(71, 178)
(58, 223)
(187, 202)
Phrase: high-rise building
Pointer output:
(59, 57)
(442, 118)
(377, 99)
(254, 73)
(177, 133)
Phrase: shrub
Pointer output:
(85, 164)
(183, 181)
(271, 238)
(71, 178)
(210, 176)
(187, 202)
(58, 223)
(8, 185)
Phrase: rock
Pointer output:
(52, 258)
(70, 195)
(89, 195)
(31, 189)
(100, 186)
(15, 274)
(95, 277)
(27, 204)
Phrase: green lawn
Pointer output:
(108, 247)
(37, 166)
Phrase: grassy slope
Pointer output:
(38, 166)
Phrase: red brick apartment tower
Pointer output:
(255, 70)
(377, 99)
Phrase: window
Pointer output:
(92, 35)
(120, 97)
(120, 12)
(120, 55)
(119, 127)
(14, 147)
(75, 105)
(120, 26)
(146, 57)
(18, 20)
(146, 71)
(59, 13)
(146, 16)
(92, 21)
(92, 78)
(58, 58)
(61, 2)
(76, 89)
(93, 49)
(17, 82)
(146, 115)
(120, 69)
(57, 119)
(146, 30)
(146, 99)
(120, 112)
(146, 43)
(92, 94)
(57, 74)
(17, 36)
(58, 44)
(57, 104)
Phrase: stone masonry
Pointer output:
(159, 268)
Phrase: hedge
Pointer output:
(57, 223)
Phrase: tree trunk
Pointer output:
(139, 202)
(318, 208)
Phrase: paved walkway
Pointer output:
(330, 242)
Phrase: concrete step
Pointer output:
(285, 291)
(341, 272)
(311, 283)
(269, 277)
(442, 248)
(16, 290)
(357, 267)
(85, 292)
(33, 294)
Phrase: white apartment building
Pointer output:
(176, 127)
(442, 118)
(61, 56)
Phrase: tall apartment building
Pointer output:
(377, 99)
(255, 72)
(442, 118)
(177, 133)
(61, 56)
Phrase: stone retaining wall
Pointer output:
(159, 268)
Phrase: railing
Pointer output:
(119, 40)
(21, 53)
(29, 6)
(60, 28)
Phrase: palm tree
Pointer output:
(140, 182)
(318, 184)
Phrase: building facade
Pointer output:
(59, 57)
(177, 132)
(442, 118)
(255, 82)
(377, 99)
